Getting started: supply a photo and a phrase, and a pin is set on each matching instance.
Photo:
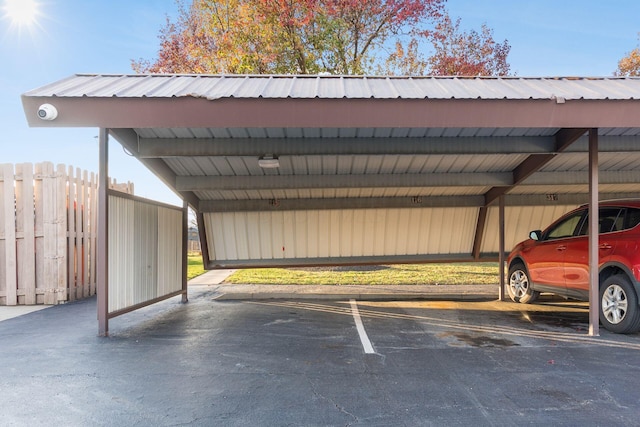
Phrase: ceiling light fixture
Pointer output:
(268, 162)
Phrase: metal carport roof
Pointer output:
(351, 144)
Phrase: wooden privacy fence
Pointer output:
(48, 233)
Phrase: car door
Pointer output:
(576, 258)
(546, 260)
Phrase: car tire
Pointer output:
(519, 285)
(619, 310)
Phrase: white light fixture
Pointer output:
(268, 162)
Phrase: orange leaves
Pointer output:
(630, 64)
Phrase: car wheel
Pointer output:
(519, 286)
(619, 305)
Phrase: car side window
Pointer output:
(609, 220)
(632, 218)
(566, 227)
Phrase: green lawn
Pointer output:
(406, 274)
(401, 274)
(194, 265)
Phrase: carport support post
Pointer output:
(501, 259)
(594, 303)
(185, 248)
(102, 278)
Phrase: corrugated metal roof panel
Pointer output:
(331, 87)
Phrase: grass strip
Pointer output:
(194, 265)
(400, 274)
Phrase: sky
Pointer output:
(547, 38)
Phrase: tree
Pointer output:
(322, 36)
(472, 53)
(284, 36)
(630, 64)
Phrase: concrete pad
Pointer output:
(11, 311)
(211, 277)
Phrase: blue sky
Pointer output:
(547, 37)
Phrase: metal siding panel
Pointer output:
(169, 251)
(241, 235)
(146, 238)
(254, 235)
(379, 231)
(289, 235)
(345, 238)
(412, 238)
(358, 233)
(145, 247)
(404, 231)
(265, 235)
(334, 232)
(301, 243)
(390, 230)
(218, 237)
(369, 235)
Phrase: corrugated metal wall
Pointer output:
(145, 252)
(367, 232)
(339, 233)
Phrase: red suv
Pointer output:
(556, 260)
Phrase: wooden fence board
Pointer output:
(3, 242)
(61, 233)
(48, 232)
(71, 236)
(38, 187)
(77, 197)
(92, 226)
(25, 227)
(10, 255)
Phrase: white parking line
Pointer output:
(364, 339)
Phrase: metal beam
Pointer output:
(480, 225)
(563, 139)
(268, 182)
(259, 205)
(364, 260)
(499, 180)
(129, 140)
(582, 178)
(154, 148)
(339, 203)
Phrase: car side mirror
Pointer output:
(535, 235)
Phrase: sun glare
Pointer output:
(22, 13)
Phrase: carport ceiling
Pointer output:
(362, 142)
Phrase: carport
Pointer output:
(329, 170)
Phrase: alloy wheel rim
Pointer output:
(614, 304)
(519, 283)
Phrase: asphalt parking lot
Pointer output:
(313, 362)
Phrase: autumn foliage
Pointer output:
(630, 64)
(322, 36)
